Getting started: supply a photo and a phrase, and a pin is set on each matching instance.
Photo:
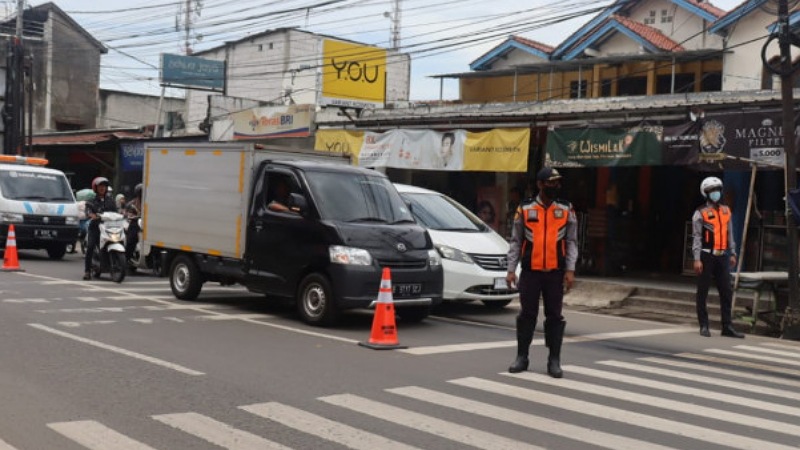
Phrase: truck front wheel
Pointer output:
(56, 251)
(315, 301)
(185, 278)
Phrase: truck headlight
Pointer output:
(71, 220)
(454, 254)
(348, 255)
(11, 218)
(433, 258)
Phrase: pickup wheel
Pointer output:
(57, 251)
(185, 278)
(496, 304)
(315, 301)
(413, 314)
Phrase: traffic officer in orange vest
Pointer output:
(544, 243)
(714, 252)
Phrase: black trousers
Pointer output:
(549, 286)
(719, 268)
(92, 240)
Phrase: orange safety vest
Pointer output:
(545, 243)
(715, 227)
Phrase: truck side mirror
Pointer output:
(298, 203)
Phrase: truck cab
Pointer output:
(39, 203)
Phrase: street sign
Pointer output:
(192, 72)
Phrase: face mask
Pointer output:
(552, 192)
(715, 196)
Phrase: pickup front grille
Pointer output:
(491, 262)
(30, 219)
(404, 264)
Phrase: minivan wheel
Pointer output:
(495, 304)
(315, 301)
(413, 314)
(185, 278)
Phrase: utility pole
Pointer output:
(188, 26)
(394, 16)
(13, 109)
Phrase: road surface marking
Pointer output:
(86, 322)
(768, 351)
(680, 389)
(715, 381)
(453, 348)
(737, 363)
(217, 433)
(722, 371)
(235, 317)
(27, 300)
(324, 428)
(539, 423)
(428, 424)
(121, 351)
(96, 436)
(788, 362)
(5, 446)
(786, 346)
(609, 413)
(660, 402)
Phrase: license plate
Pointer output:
(46, 234)
(500, 283)
(406, 289)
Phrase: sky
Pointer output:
(442, 36)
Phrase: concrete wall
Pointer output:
(125, 109)
(743, 69)
(516, 57)
(684, 27)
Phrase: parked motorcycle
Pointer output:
(109, 256)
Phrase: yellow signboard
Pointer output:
(353, 75)
(340, 141)
(501, 150)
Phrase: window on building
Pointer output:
(650, 19)
(711, 82)
(606, 87)
(68, 126)
(684, 82)
(632, 86)
(666, 17)
(577, 89)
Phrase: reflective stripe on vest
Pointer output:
(715, 227)
(544, 246)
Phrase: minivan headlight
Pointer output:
(433, 258)
(11, 218)
(454, 254)
(349, 255)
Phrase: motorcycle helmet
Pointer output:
(710, 184)
(98, 181)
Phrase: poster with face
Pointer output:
(487, 207)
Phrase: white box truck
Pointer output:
(38, 201)
(291, 225)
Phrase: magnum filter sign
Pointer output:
(353, 75)
(732, 140)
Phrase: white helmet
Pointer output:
(709, 184)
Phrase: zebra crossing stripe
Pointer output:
(686, 390)
(5, 446)
(746, 387)
(787, 362)
(428, 424)
(722, 371)
(786, 346)
(324, 428)
(96, 436)
(577, 433)
(661, 403)
(769, 351)
(737, 363)
(217, 433)
(619, 415)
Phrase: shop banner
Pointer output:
(132, 156)
(353, 75)
(500, 150)
(593, 147)
(273, 122)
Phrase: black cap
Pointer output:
(548, 174)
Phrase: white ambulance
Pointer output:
(38, 201)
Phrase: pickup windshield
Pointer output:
(35, 186)
(357, 198)
(438, 212)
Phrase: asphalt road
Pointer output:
(101, 365)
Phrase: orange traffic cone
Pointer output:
(10, 261)
(384, 331)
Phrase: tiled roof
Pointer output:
(86, 138)
(650, 34)
(708, 7)
(534, 44)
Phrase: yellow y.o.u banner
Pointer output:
(340, 141)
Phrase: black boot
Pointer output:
(554, 336)
(524, 337)
(729, 331)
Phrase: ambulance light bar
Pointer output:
(15, 159)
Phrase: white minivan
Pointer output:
(473, 255)
(39, 203)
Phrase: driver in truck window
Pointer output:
(280, 199)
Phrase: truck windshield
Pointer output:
(358, 198)
(438, 212)
(35, 186)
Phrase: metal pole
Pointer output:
(740, 262)
(791, 163)
(158, 113)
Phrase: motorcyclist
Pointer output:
(101, 203)
(133, 211)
